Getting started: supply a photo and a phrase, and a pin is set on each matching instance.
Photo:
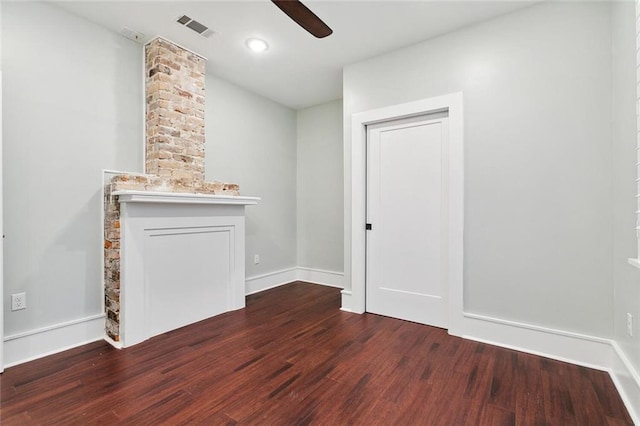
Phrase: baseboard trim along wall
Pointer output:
(575, 348)
(285, 276)
(33, 344)
(27, 346)
(320, 276)
(627, 381)
(271, 280)
(346, 301)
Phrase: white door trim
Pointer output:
(353, 299)
(1, 224)
(1, 246)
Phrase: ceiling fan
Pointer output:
(304, 17)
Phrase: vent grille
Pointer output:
(183, 19)
(197, 27)
(194, 25)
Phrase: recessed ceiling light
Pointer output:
(257, 45)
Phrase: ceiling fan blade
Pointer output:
(304, 17)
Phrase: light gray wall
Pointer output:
(251, 141)
(623, 125)
(537, 95)
(320, 187)
(72, 106)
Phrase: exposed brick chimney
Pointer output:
(174, 142)
(174, 90)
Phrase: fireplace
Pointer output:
(173, 242)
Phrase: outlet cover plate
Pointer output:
(18, 301)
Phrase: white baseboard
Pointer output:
(575, 348)
(27, 346)
(285, 276)
(627, 381)
(319, 276)
(34, 344)
(346, 301)
(266, 281)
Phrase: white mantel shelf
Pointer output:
(128, 196)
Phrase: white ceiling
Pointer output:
(298, 70)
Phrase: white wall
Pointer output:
(72, 106)
(537, 95)
(251, 141)
(625, 277)
(320, 187)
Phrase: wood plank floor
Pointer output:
(292, 357)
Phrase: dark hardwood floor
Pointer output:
(292, 357)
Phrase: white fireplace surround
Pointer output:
(181, 260)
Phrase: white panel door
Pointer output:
(407, 178)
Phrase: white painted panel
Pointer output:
(188, 276)
(407, 180)
(187, 262)
(411, 210)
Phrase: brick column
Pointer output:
(174, 144)
(174, 93)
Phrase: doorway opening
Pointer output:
(449, 108)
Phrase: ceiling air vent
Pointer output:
(196, 26)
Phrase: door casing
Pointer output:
(353, 297)
(1, 246)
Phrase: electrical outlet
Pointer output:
(629, 324)
(256, 259)
(18, 301)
